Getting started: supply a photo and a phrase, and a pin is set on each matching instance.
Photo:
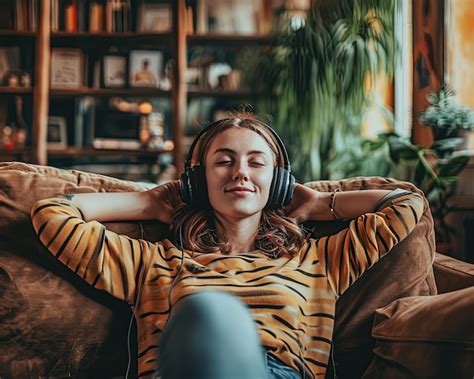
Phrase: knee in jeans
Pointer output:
(213, 305)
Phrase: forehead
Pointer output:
(240, 140)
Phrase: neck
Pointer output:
(240, 233)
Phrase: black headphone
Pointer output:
(193, 186)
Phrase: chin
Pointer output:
(240, 212)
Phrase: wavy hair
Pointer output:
(277, 234)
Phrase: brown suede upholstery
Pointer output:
(452, 274)
(405, 271)
(53, 324)
(415, 330)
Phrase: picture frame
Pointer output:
(67, 66)
(155, 18)
(114, 70)
(9, 63)
(57, 133)
(145, 68)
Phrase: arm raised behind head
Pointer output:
(155, 204)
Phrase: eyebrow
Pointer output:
(230, 151)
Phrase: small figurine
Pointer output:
(13, 80)
(25, 79)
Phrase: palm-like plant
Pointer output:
(318, 79)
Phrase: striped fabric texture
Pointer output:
(292, 299)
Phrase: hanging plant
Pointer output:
(318, 80)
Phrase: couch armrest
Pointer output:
(452, 274)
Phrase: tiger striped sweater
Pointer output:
(292, 299)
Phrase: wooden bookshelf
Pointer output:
(237, 94)
(124, 39)
(133, 92)
(228, 40)
(175, 46)
(16, 34)
(72, 152)
(15, 90)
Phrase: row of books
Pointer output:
(20, 15)
(110, 16)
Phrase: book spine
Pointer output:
(81, 16)
(71, 17)
(108, 16)
(95, 12)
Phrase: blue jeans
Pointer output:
(211, 335)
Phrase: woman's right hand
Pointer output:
(164, 199)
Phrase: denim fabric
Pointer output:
(211, 335)
(278, 370)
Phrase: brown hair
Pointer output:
(277, 233)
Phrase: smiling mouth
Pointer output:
(240, 190)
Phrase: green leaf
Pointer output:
(454, 166)
(446, 144)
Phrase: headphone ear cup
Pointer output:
(200, 198)
(184, 187)
(274, 189)
(290, 188)
(281, 189)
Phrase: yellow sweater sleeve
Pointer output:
(345, 256)
(106, 260)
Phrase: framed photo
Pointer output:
(145, 68)
(57, 135)
(66, 68)
(114, 70)
(154, 18)
(9, 63)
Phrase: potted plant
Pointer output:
(317, 78)
(447, 117)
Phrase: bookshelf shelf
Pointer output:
(17, 153)
(91, 152)
(132, 92)
(16, 90)
(234, 40)
(16, 33)
(127, 38)
(243, 93)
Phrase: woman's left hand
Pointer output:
(303, 203)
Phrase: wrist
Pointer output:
(321, 211)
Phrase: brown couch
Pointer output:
(409, 316)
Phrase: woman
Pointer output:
(241, 292)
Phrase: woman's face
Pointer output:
(239, 169)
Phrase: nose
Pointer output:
(241, 172)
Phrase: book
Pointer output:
(70, 17)
(67, 67)
(96, 19)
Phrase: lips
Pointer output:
(239, 189)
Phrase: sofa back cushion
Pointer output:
(405, 271)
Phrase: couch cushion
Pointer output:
(51, 322)
(425, 336)
(452, 274)
(405, 271)
(21, 185)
